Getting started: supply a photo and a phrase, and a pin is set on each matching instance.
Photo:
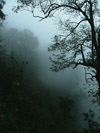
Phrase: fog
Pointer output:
(25, 19)
(69, 82)
(44, 31)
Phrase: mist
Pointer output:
(37, 99)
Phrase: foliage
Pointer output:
(19, 42)
(93, 124)
(2, 15)
(21, 47)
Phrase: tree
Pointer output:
(17, 60)
(80, 42)
(22, 44)
(21, 47)
(2, 15)
(93, 123)
(66, 105)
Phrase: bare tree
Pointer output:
(80, 42)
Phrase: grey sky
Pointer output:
(44, 30)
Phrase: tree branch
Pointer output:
(84, 64)
(88, 73)
(94, 42)
(72, 31)
(83, 57)
(55, 6)
(83, 12)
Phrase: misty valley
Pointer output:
(48, 86)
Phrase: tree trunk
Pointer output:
(98, 80)
(98, 64)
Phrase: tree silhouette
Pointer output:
(2, 15)
(80, 42)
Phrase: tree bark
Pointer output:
(98, 64)
(98, 80)
(98, 73)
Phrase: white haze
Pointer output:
(44, 30)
